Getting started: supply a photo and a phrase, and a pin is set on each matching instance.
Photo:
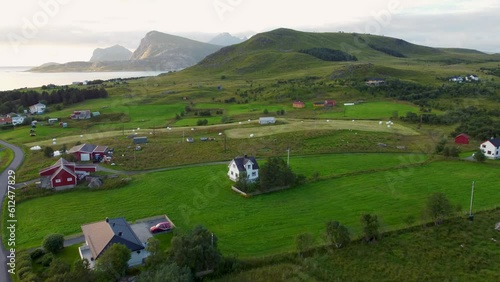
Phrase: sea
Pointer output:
(19, 77)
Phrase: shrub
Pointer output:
(37, 254)
(23, 272)
(47, 259)
(53, 243)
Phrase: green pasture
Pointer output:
(371, 110)
(266, 224)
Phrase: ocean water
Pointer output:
(18, 77)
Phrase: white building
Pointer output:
(17, 120)
(267, 120)
(37, 109)
(491, 148)
(246, 165)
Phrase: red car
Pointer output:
(160, 227)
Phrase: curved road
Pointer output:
(16, 162)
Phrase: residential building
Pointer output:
(85, 114)
(99, 236)
(87, 152)
(64, 174)
(243, 165)
(267, 120)
(37, 109)
(491, 148)
(462, 138)
(299, 104)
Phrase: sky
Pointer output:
(33, 32)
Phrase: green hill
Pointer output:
(277, 51)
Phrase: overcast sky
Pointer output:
(33, 32)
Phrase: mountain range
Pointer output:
(157, 51)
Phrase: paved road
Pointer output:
(18, 158)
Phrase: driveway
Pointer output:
(16, 162)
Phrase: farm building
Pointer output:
(243, 164)
(87, 152)
(491, 148)
(326, 103)
(299, 104)
(267, 120)
(85, 114)
(64, 174)
(18, 120)
(140, 140)
(5, 120)
(37, 109)
(462, 139)
(101, 235)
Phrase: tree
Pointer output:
(440, 146)
(304, 242)
(479, 156)
(438, 207)
(82, 272)
(166, 273)
(156, 255)
(337, 234)
(48, 152)
(276, 173)
(53, 243)
(113, 263)
(370, 227)
(266, 111)
(197, 250)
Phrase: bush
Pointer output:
(23, 272)
(37, 254)
(47, 259)
(53, 243)
(48, 152)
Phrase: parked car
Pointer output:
(189, 140)
(203, 139)
(161, 227)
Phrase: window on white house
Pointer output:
(58, 180)
(484, 146)
(489, 152)
(232, 173)
(254, 173)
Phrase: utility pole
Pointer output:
(471, 216)
(225, 143)
(288, 158)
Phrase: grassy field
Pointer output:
(416, 254)
(6, 157)
(266, 224)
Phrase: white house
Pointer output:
(491, 148)
(101, 235)
(37, 109)
(267, 120)
(246, 165)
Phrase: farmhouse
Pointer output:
(299, 104)
(85, 114)
(64, 174)
(103, 234)
(491, 148)
(37, 109)
(462, 138)
(18, 120)
(87, 152)
(246, 165)
(267, 120)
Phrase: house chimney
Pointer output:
(107, 219)
(246, 156)
(120, 233)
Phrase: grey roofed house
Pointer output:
(101, 235)
(242, 161)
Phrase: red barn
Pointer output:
(299, 104)
(64, 174)
(462, 139)
(330, 103)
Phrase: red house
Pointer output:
(87, 152)
(64, 174)
(299, 104)
(330, 103)
(462, 139)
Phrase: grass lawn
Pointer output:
(6, 157)
(266, 224)
(371, 110)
